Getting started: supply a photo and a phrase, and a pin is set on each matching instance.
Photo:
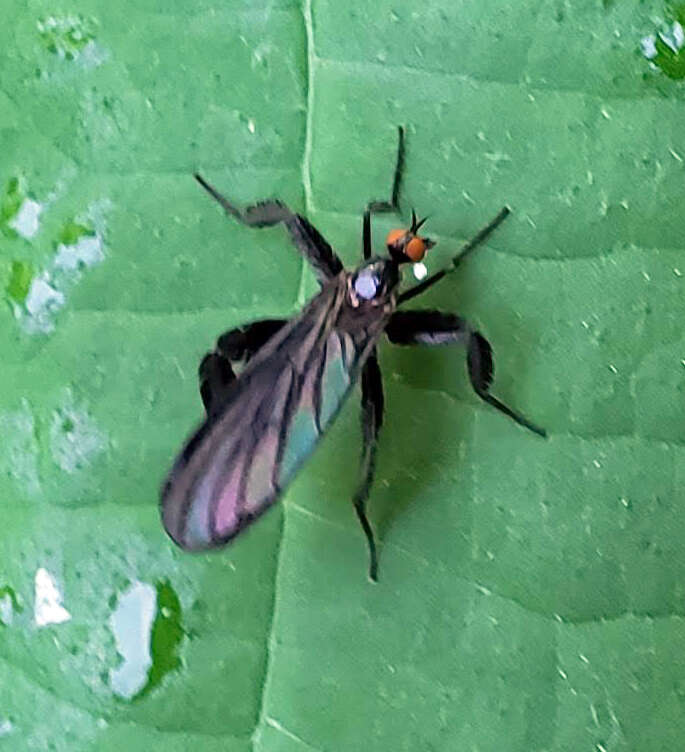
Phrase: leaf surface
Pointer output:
(531, 592)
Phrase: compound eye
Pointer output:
(394, 236)
(366, 285)
(416, 249)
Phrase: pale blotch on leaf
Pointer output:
(131, 624)
(48, 608)
(674, 37)
(40, 306)
(6, 610)
(9, 605)
(78, 247)
(75, 438)
(26, 221)
(146, 623)
(648, 46)
(664, 50)
(19, 450)
(86, 252)
(71, 38)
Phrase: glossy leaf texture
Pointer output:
(531, 592)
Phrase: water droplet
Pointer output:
(420, 270)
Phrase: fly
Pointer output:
(263, 423)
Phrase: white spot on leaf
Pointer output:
(49, 289)
(72, 38)
(48, 607)
(75, 439)
(87, 251)
(6, 610)
(678, 34)
(131, 623)
(648, 47)
(41, 304)
(674, 37)
(25, 222)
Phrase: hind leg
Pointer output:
(216, 372)
(437, 328)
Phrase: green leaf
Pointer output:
(10, 202)
(531, 591)
(73, 231)
(166, 635)
(677, 12)
(20, 281)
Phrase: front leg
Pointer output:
(380, 207)
(237, 345)
(307, 239)
(477, 240)
(436, 328)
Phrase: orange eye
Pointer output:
(394, 236)
(416, 249)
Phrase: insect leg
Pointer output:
(307, 239)
(372, 419)
(384, 206)
(215, 375)
(436, 328)
(215, 371)
(479, 238)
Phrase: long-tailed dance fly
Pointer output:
(263, 423)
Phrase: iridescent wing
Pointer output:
(240, 460)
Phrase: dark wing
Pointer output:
(238, 462)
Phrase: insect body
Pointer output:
(263, 424)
